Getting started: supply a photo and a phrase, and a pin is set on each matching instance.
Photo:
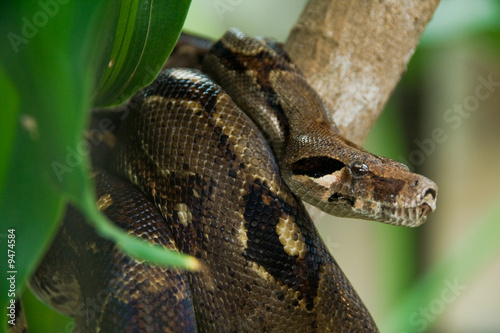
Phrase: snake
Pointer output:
(216, 164)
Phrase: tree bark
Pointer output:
(354, 53)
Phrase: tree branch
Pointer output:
(354, 53)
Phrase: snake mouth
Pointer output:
(416, 215)
(407, 215)
(423, 211)
(427, 205)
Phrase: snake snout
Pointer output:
(429, 195)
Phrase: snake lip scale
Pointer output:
(193, 173)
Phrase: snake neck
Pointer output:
(320, 166)
(263, 81)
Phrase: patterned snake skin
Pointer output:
(194, 173)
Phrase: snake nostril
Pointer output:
(430, 191)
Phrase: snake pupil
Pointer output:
(359, 169)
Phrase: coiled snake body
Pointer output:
(207, 183)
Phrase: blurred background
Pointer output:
(443, 122)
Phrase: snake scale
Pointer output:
(193, 172)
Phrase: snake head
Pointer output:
(343, 179)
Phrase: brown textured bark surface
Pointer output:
(354, 53)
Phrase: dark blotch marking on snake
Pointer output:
(336, 197)
(194, 191)
(263, 210)
(202, 92)
(316, 167)
(262, 64)
(226, 151)
(391, 187)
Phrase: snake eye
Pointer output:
(359, 169)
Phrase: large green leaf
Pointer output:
(142, 41)
(52, 58)
(38, 58)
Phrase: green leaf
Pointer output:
(8, 120)
(141, 44)
(43, 57)
(52, 57)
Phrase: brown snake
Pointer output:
(207, 183)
